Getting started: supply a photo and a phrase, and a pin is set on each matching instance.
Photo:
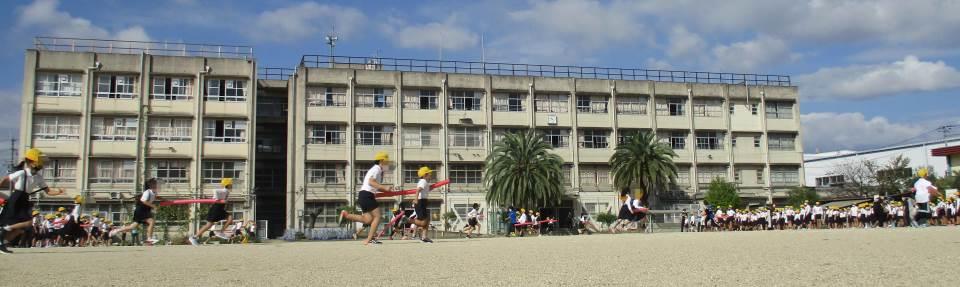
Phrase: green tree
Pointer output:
(606, 218)
(722, 193)
(643, 162)
(521, 171)
(798, 195)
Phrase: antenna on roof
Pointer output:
(332, 42)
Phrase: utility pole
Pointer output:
(332, 42)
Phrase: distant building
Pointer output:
(820, 169)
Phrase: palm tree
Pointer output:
(521, 171)
(642, 161)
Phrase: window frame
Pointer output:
(169, 167)
(168, 88)
(63, 84)
(63, 128)
(709, 140)
(465, 137)
(367, 135)
(119, 171)
(626, 106)
(226, 90)
(237, 126)
(557, 138)
(466, 173)
(327, 134)
(594, 139)
(175, 130)
(593, 104)
(101, 131)
(212, 171)
(326, 173)
(114, 83)
(551, 103)
(465, 100)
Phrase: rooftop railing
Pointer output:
(270, 73)
(137, 47)
(512, 69)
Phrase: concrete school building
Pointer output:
(112, 113)
(821, 169)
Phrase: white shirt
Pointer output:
(473, 213)
(375, 173)
(221, 194)
(423, 188)
(923, 195)
(34, 181)
(148, 196)
(95, 222)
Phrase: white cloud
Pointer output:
(43, 16)
(869, 81)
(305, 20)
(684, 44)
(447, 35)
(755, 55)
(852, 131)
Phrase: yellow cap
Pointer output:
(381, 155)
(35, 212)
(424, 171)
(34, 155)
(50, 216)
(226, 182)
(78, 199)
(61, 209)
(922, 172)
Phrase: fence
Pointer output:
(270, 73)
(514, 69)
(136, 47)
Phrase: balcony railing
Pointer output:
(136, 47)
(269, 73)
(514, 69)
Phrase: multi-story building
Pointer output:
(110, 114)
(447, 115)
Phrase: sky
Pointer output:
(870, 73)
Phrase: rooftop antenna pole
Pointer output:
(483, 55)
(332, 42)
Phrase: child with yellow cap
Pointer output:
(143, 212)
(15, 218)
(367, 200)
(423, 214)
(217, 212)
(924, 190)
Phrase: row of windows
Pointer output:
(123, 171)
(516, 102)
(125, 86)
(125, 129)
(334, 173)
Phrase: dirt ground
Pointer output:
(891, 257)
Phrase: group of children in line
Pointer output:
(523, 222)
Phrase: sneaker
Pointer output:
(153, 240)
(193, 241)
(426, 240)
(341, 216)
(375, 241)
(3, 250)
(222, 235)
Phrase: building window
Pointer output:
(760, 176)
(509, 102)
(683, 175)
(420, 100)
(592, 104)
(115, 86)
(737, 176)
(361, 171)
(733, 108)
(671, 107)
(784, 142)
(56, 128)
(753, 109)
(326, 213)
(756, 141)
(328, 134)
(499, 134)
(779, 110)
(466, 173)
(631, 105)
(707, 108)
(410, 171)
(225, 131)
(677, 140)
(784, 176)
(214, 171)
(567, 174)
(326, 97)
(172, 89)
(63, 170)
(594, 138)
(421, 136)
(226, 90)
(374, 135)
(624, 135)
(706, 174)
(58, 85)
(733, 141)
(551, 103)
(594, 175)
(465, 137)
(114, 129)
(709, 140)
(169, 130)
(377, 98)
(113, 171)
(170, 171)
(465, 100)
(558, 138)
(326, 173)
(831, 180)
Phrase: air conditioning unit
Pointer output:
(114, 195)
(552, 120)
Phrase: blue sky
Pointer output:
(870, 73)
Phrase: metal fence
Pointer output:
(137, 47)
(514, 69)
(270, 73)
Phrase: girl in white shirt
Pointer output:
(16, 216)
(367, 199)
(217, 212)
(472, 222)
(423, 214)
(143, 213)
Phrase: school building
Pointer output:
(297, 141)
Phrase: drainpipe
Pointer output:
(141, 122)
(198, 144)
(85, 135)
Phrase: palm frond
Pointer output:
(521, 171)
